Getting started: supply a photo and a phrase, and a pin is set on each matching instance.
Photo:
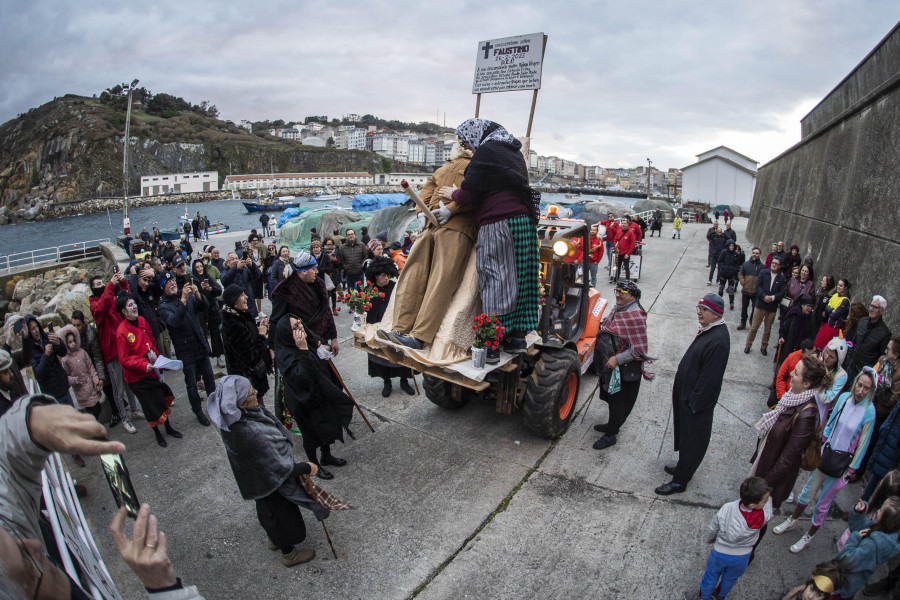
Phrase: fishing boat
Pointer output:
(217, 228)
(573, 195)
(324, 195)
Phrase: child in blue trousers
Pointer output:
(733, 532)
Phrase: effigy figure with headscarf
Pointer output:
(261, 455)
(496, 187)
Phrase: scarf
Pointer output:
(478, 131)
(789, 400)
(260, 452)
(630, 328)
(755, 518)
(224, 404)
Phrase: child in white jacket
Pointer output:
(734, 531)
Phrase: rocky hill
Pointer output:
(71, 149)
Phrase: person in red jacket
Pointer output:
(137, 352)
(595, 247)
(613, 233)
(107, 319)
(624, 247)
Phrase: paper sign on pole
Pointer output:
(509, 64)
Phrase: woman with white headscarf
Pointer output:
(496, 186)
(261, 455)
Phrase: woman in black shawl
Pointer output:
(379, 272)
(496, 186)
(246, 346)
(321, 409)
(261, 455)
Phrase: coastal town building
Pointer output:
(720, 176)
(396, 178)
(264, 181)
(313, 141)
(179, 183)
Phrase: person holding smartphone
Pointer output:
(47, 349)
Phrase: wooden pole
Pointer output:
(534, 96)
(346, 389)
(477, 104)
(312, 492)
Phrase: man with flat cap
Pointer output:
(695, 392)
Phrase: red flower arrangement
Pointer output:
(361, 301)
(488, 331)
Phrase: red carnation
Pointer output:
(381, 295)
(474, 327)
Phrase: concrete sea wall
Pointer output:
(835, 193)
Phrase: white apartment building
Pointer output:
(391, 145)
(291, 133)
(416, 152)
(313, 141)
(264, 181)
(247, 125)
(180, 183)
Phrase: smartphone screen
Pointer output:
(18, 326)
(120, 485)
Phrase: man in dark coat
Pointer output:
(353, 254)
(179, 313)
(748, 274)
(695, 392)
(142, 292)
(717, 242)
(770, 289)
(264, 221)
(729, 263)
(870, 339)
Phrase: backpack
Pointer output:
(813, 453)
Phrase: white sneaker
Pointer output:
(128, 426)
(801, 544)
(786, 525)
(790, 498)
(138, 415)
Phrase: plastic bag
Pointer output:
(615, 382)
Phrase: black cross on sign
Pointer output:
(487, 48)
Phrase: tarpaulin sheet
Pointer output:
(373, 202)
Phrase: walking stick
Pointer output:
(777, 357)
(415, 383)
(312, 492)
(344, 385)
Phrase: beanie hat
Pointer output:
(803, 299)
(164, 277)
(629, 287)
(713, 303)
(231, 294)
(382, 235)
(304, 261)
(373, 244)
(5, 360)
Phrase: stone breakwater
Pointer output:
(44, 209)
(51, 296)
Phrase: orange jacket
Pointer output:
(399, 258)
(783, 381)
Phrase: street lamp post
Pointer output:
(648, 178)
(126, 222)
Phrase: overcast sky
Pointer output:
(621, 81)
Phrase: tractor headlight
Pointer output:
(563, 248)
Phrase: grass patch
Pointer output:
(142, 116)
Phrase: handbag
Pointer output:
(630, 371)
(329, 284)
(834, 463)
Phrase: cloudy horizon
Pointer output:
(618, 85)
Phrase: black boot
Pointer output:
(404, 385)
(159, 437)
(387, 389)
(170, 431)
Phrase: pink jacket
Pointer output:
(80, 369)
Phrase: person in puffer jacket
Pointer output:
(47, 350)
(729, 263)
(82, 376)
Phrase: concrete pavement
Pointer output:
(467, 503)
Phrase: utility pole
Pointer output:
(648, 178)
(126, 223)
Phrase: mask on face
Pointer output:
(97, 292)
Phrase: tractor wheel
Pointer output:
(552, 392)
(443, 393)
